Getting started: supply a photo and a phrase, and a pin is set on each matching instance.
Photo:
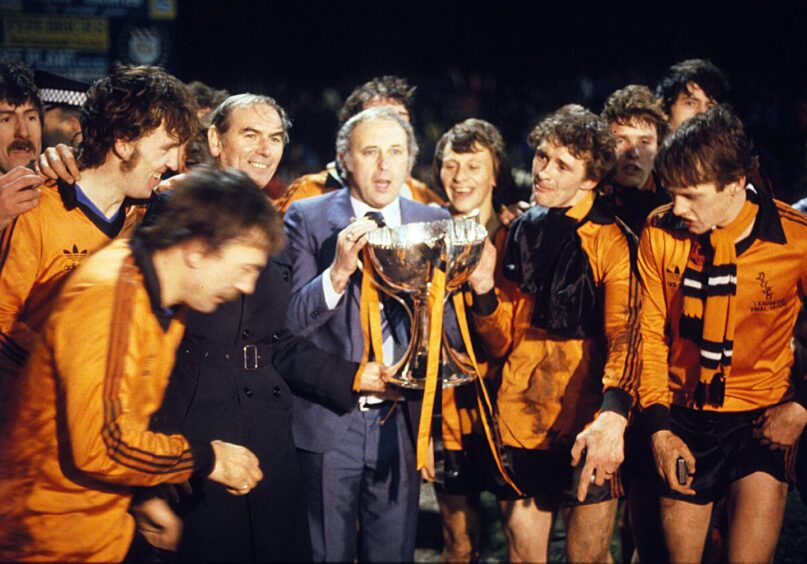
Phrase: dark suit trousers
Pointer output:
(368, 478)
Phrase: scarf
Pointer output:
(544, 255)
(707, 317)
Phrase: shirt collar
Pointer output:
(768, 226)
(332, 178)
(391, 212)
(581, 208)
(152, 283)
(82, 198)
(69, 194)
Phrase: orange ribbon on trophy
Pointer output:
(370, 314)
(483, 399)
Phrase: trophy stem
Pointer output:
(416, 368)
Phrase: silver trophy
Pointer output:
(405, 258)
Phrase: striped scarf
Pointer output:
(707, 318)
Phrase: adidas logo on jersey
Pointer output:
(74, 256)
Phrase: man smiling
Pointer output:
(134, 121)
(249, 132)
(20, 117)
(76, 441)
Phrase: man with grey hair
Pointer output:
(389, 92)
(249, 132)
(355, 469)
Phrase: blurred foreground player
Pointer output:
(76, 439)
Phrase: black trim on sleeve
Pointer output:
(617, 400)
(342, 396)
(204, 459)
(485, 304)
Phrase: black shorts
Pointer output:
(724, 449)
(549, 477)
(639, 462)
(801, 468)
(470, 470)
(141, 551)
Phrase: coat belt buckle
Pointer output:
(251, 358)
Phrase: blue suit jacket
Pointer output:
(312, 226)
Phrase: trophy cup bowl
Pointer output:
(465, 241)
(404, 258)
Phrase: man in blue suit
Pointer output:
(359, 466)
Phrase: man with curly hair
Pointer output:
(134, 122)
(638, 125)
(20, 141)
(565, 323)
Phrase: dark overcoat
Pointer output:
(232, 381)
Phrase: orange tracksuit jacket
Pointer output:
(551, 389)
(771, 283)
(39, 249)
(325, 181)
(76, 440)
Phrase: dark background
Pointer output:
(509, 62)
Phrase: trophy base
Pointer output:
(457, 379)
(449, 379)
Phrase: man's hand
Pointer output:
(158, 524)
(236, 468)
(781, 425)
(481, 279)
(604, 444)
(18, 193)
(667, 447)
(349, 243)
(169, 183)
(374, 378)
(59, 162)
